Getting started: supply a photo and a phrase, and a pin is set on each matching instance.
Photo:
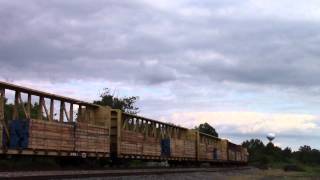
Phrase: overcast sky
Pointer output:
(247, 67)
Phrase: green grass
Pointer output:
(311, 170)
(307, 169)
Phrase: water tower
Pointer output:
(271, 137)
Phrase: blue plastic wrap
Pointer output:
(19, 134)
(165, 147)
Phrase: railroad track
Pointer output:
(35, 175)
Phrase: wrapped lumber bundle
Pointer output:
(190, 144)
(206, 151)
(217, 150)
(131, 142)
(177, 147)
(189, 149)
(231, 155)
(183, 148)
(244, 154)
(136, 143)
(211, 151)
(218, 154)
(91, 138)
(96, 116)
(131, 148)
(210, 147)
(165, 147)
(234, 155)
(152, 146)
(224, 150)
(67, 134)
(202, 151)
(238, 156)
(19, 134)
(50, 135)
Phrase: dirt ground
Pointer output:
(236, 175)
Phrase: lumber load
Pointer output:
(189, 149)
(99, 116)
(210, 148)
(234, 152)
(202, 151)
(136, 143)
(224, 150)
(206, 151)
(131, 142)
(81, 137)
(151, 146)
(51, 135)
(231, 155)
(238, 156)
(210, 151)
(244, 154)
(183, 148)
(91, 138)
(177, 147)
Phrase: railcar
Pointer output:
(211, 149)
(143, 138)
(136, 137)
(47, 125)
(236, 154)
(61, 126)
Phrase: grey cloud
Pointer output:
(113, 39)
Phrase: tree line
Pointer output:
(261, 154)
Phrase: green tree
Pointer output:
(126, 104)
(287, 153)
(8, 111)
(274, 152)
(305, 154)
(207, 129)
(262, 155)
(256, 150)
(305, 149)
(254, 144)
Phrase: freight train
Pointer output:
(59, 126)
